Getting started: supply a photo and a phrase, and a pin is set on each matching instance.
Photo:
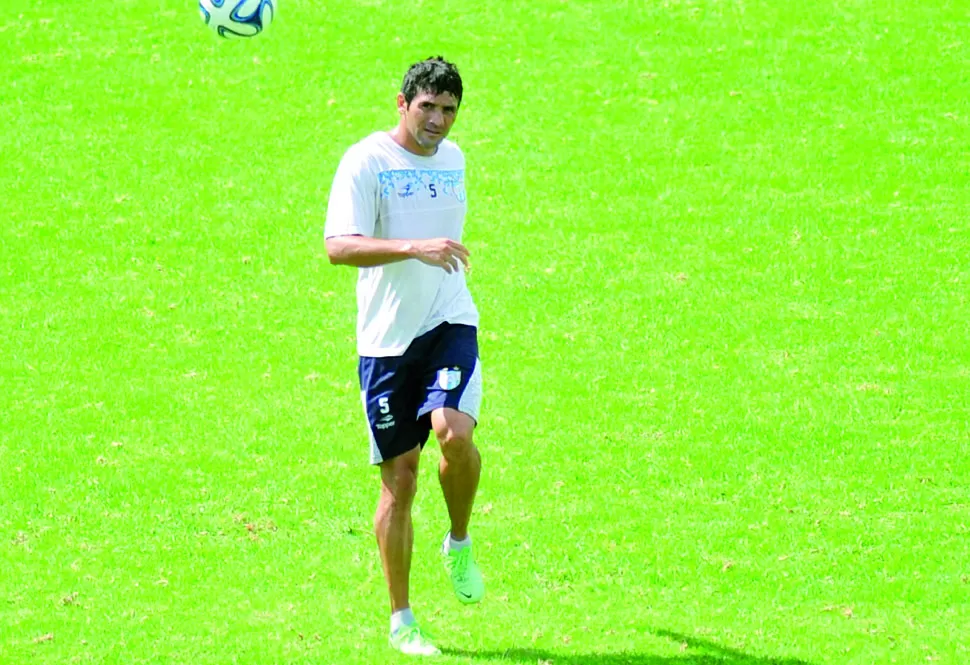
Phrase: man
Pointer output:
(396, 212)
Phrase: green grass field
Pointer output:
(722, 254)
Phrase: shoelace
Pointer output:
(413, 635)
(460, 571)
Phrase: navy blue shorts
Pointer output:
(439, 369)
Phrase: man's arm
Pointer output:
(366, 252)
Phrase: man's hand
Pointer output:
(441, 252)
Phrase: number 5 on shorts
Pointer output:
(385, 407)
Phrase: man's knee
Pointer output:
(399, 478)
(454, 431)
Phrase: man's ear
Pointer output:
(402, 104)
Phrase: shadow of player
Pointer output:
(701, 652)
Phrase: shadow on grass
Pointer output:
(700, 652)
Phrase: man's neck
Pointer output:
(403, 138)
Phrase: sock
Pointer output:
(401, 618)
(455, 545)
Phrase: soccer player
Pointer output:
(396, 212)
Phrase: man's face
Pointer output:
(429, 118)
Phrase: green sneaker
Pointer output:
(466, 578)
(411, 641)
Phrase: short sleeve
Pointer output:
(352, 208)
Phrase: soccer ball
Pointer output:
(237, 18)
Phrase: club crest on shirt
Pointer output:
(449, 378)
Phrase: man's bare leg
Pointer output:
(459, 473)
(392, 524)
(460, 467)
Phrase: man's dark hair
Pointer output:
(435, 75)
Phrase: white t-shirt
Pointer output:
(383, 191)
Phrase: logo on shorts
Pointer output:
(449, 378)
(387, 422)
